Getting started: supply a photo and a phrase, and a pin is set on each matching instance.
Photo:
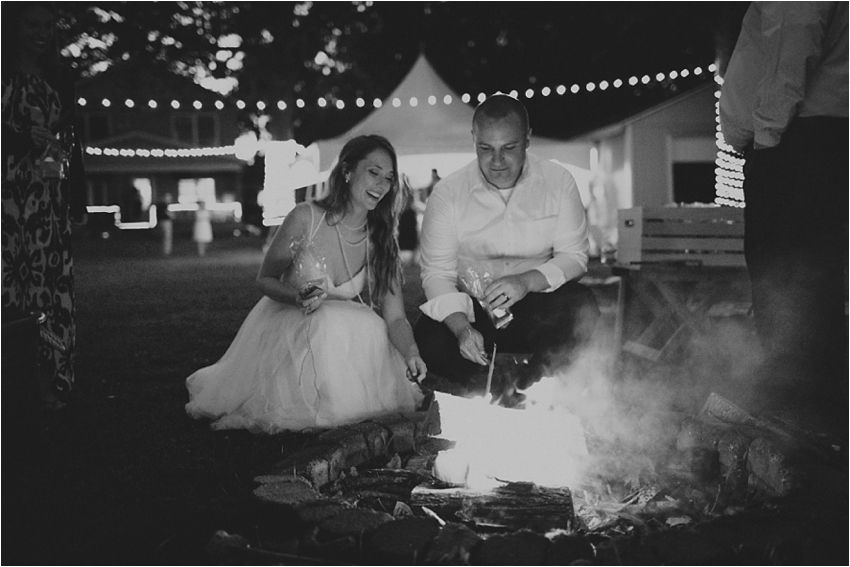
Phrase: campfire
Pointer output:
(602, 465)
(572, 473)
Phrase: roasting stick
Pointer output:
(490, 372)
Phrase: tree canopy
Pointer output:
(285, 51)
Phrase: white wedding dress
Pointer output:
(289, 371)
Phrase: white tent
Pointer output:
(430, 127)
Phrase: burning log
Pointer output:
(513, 506)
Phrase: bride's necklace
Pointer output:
(354, 228)
(357, 242)
(348, 268)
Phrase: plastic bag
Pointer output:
(309, 267)
(475, 281)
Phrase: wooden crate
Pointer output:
(696, 236)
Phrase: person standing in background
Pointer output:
(166, 224)
(202, 233)
(43, 190)
(784, 105)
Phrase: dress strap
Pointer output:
(314, 227)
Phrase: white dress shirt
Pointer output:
(539, 225)
(790, 60)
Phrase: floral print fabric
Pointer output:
(36, 258)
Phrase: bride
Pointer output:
(314, 352)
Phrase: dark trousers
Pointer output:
(551, 327)
(796, 234)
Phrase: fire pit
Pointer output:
(630, 486)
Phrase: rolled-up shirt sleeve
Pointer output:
(793, 35)
(438, 258)
(570, 244)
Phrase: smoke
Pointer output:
(631, 408)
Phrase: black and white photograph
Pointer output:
(425, 283)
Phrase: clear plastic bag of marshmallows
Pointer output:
(309, 270)
(475, 281)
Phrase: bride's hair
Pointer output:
(384, 265)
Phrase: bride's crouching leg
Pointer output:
(358, 373)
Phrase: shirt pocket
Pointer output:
(534, 237)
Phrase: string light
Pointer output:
(729, 173)
(129, 103)
(447, 99)
(158, 153)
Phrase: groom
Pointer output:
(520, 219)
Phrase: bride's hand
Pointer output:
(416, 369)
(312, 303)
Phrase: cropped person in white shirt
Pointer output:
(784, 105)
(520, 219)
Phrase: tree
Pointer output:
(336, 52)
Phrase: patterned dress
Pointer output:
(38, 272)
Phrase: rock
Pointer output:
(287, 493)
(427, 422)
(770, 466)
(355, 522)
(453, 545)
(320, 464)
(402, 433)
(351, 441)
(376, 438)
(732, 446)
(314, 513)
(402, 542)
(697, 434)
(523, 547)
(703, 464)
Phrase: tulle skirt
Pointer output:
(290, 371)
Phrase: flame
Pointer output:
(538, 444)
